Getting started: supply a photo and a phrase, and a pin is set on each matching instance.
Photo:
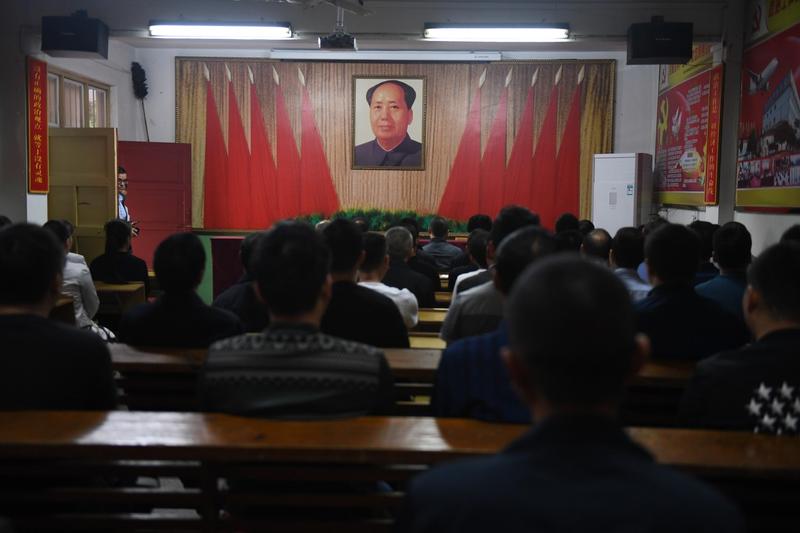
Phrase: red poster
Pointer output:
(38, 169)
(687, 139)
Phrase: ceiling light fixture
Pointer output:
(497, 33)
(227, 30)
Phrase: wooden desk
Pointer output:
(761, 473)
(116, 298)
(443, 298)
(430, 319)
(64, 310)
(426, 341)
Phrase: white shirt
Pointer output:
(79, 285)
(462, 277)
(636, 286)
(404, 299)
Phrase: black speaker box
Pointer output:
(75, 36)
(659, 43)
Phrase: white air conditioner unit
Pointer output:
(622, 190)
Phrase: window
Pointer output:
(74, 102)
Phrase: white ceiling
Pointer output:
(395, 24)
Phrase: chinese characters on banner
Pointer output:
(38, 169)
(688, 128)
(768, 161)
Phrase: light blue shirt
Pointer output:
(636, 286)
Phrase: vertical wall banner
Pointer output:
(688, 128)
(38, 167)
(768, 162)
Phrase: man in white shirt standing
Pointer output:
(372, 270)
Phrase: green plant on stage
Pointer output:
(381, 219)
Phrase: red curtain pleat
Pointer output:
(216, 163)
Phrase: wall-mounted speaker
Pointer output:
(75, 36)
(659, 43)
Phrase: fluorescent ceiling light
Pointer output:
(384, 55)
(243, 31)
(497, 33)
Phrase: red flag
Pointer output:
(216, 162)
(569, 160)
(517, 186)
(543, 187)
(318, 193)
(262, 168)
(288, 161)
(238, 193)
(493, 164)
(460, 198)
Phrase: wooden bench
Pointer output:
(443, 298)
(76, 470)
(430, 319)
(426, 340)
(116, 298)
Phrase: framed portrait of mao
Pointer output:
(388, 126)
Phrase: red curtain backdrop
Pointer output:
(238, 195)
(263, 203)
(216, 162)
(543, 176)
(288, 162)
(318, 194)
(568, 163)
(493, 164)
(517, 182)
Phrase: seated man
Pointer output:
(472, 380)
(705, 233)
(680, 323)
(45, 364)
(356, 313)
(241, 299)
(400, 245)
(479, 308)
(483, 222)
(291, 369)
(576, 470)
(117, 264)
(179, 317)
(372, 270)
(732, 243)
(476, 254)
(757, 388)
(627, 252)
(420, 260)
(596, 246)
(441, 250)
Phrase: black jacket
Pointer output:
(401, 275)
(359, 314)
(241, 300)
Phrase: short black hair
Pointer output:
(732, 244)
(791, 234)
(57, 228)
(374, 251)
(774, 275)
(479, 222)
(291, 265)
(569, 240)
(117, 234)
(409, 94)
(655, 223)
(567, 221)
(520, 249)
(121, 170)
(179, 261)
(362, 224)
(510, 219)
(4, 221)
(552, 300)
(705, 232)
(476, 246)
(30, 259)
(246, 249)
(585, 226)
(597, 243)
(438, 227)
(628, 247)
(672, 252)
(69, 225)
(345, 242)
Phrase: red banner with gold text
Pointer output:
(38, 168)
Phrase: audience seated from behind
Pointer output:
(477, 305)
(442, 251)
(627, 252)
(576, 469)
(705, 232)
(291, 369)
(356, 313)
(596, 246)
(646, 230)
(569, 240)
(420, 260)
(585, 226)
(757, 388)
(566, 222)
(372, 270)
(45, 364)
(476, 252)
(472, 380)
(118, 264)
(77, 282)
(791, 234)
(241, 299)
(4, 221)
(680, 323)
(732, 243)
(478, 221)
(178, 318)
(400, 245)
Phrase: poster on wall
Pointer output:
(688, 126)
(38, 170)
(768, 160)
